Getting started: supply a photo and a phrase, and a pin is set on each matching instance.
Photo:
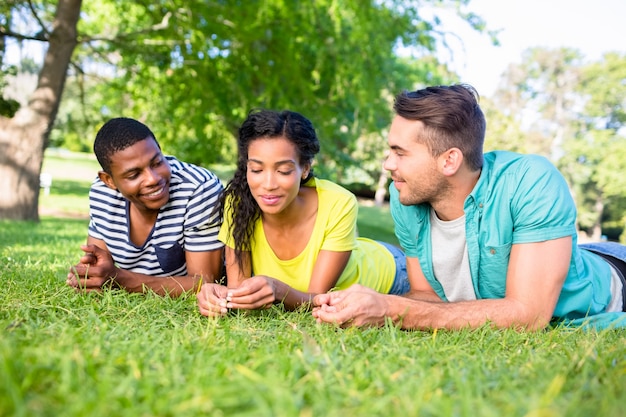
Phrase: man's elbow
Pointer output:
(534, 321)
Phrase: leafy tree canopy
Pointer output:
(193, 69)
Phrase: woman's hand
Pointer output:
(253, 293)
(212, 300)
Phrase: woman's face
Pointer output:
(274, 173)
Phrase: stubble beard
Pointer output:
(435, 191)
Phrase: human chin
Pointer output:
(409, 199)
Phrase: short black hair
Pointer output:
(116, 135)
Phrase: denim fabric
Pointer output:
(615, 254)
(401, 281)
(613, 249)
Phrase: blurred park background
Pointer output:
(192, 69)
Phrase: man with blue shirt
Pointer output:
(153, 224)
(489, 238)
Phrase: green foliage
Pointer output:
(71, 354)
(504, 131)
(596, 156)
(577, 116)
(79, 116)
(192, 70)
(604, 84)
(8, 107)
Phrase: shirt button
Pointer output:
(492, 251)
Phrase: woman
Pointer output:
(289, 235)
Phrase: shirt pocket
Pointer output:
(494, 264)
(171, 258)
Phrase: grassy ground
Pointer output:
(116, 354)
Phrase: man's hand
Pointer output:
(94, 269)
(355, 306)
(212, 300)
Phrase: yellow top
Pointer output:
(371, 264)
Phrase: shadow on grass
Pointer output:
(78, 188)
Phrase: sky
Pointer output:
(591, 26)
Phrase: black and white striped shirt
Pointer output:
(185, 223)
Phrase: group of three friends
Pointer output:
(485, 237)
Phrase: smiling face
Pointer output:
(274, 173)
(141, 174)
(413, 169)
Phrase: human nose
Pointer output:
(152, 176)
(269, 181)
(389, 164)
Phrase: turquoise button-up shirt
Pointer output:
(517, 199)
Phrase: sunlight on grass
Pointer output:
(129, 354)
(64, 353)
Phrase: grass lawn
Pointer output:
(117, 354)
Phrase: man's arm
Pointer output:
(535, 277)
(420, 287)
(96, 268)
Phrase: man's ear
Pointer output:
(450, 161)
(107, 180)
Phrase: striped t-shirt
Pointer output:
(185, 223)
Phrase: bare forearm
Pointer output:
(502, 313)
(423, 296)
(141, 283)
(289, 297)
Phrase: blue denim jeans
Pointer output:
(615, 254)
(401, 281)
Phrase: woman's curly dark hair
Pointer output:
(262, 124)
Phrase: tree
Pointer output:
(596, 157)
(574, 114)
(540, 92)
(334, 61)
(504, 131)
(23, 137)
(192, 69)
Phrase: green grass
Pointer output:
(116, 354)
(72, 174)
(376, 223)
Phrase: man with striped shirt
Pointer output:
(152, 220)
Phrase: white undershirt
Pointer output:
(617, 300)
(450, 259)
(451, 263)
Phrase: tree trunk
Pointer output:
(381, 187)
(24, 137)
(596, 233)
